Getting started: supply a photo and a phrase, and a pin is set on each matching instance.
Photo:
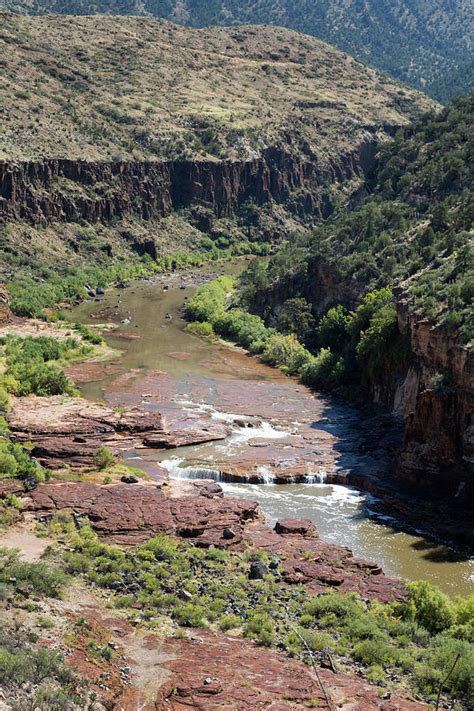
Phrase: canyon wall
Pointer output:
(436, 397)
(433, 391)
(65, 190)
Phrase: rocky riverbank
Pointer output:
(190, 673)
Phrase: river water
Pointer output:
(277, 426)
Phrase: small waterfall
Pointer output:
(315, 478)
(266, 474)
(177, 471)
(199, 473)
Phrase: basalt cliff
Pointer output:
(109, 120)
(64, 190)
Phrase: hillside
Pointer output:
(437, 35)
(382, 294)
(132, 135)
(102, 88)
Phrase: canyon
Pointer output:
(161, 481)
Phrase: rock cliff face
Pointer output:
(65, 190)
(436, 396)
(433, 392)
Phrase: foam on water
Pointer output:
(177, 471)
(254, 428)
(315, 477)
(266, 474)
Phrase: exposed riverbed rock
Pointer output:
(132, 514)
(260, 678)
(305, 559)
(298, 526)
(69, 431)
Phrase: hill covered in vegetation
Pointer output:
(123, 137)
(419, 42)
(102, 88)
(410, 230)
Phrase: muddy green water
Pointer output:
(342, 515)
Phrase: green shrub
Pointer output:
(381, 346)
(261, 628)
(295, 316)
(325, 370)
(210, 300)
(286, 352)
(32, 365)
(44, 579)
(442, 656)
(4, 399)
(46, 623)
(162, 547)
(103, 458)
(189, 615)
(229, 622)
(332, 330)
(76, 563)
(15, 461)
(201, 328)
(428, 606)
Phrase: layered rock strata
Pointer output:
(68, 190)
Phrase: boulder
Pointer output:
(296, 526)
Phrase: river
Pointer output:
(277, 427)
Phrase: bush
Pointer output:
(326, 370)
(201, 328)
(30, 366)
(17, 462)
(261, 628)
(332, 330)
(210, 300)
(381, 346)
(76, 563)
(44, 579)
(229, 622)
(103, 458)
(428, 606)
(189, 615)
(286, 352)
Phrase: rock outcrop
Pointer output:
(69, 433)
(66, 190)
(260, 678)
(436, 397)
(128, 515)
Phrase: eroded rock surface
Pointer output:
(69, 431)
(128, 515)
(259, 678)
(131, 514)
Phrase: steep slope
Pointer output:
(97, 88)
(412, 233)
(140, 132)
(437, 35)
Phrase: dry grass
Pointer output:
(100, 87)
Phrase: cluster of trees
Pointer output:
(412, 230)
(326, 355)
(34, 365)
